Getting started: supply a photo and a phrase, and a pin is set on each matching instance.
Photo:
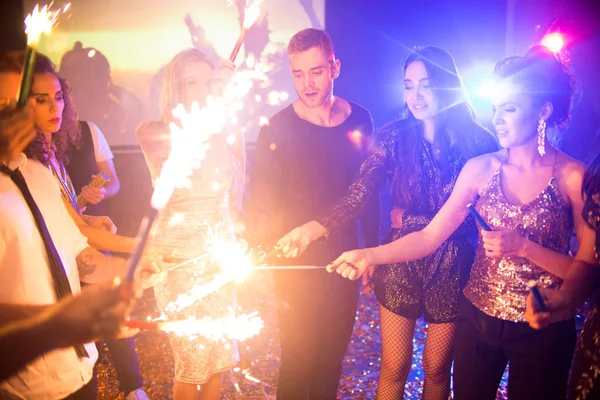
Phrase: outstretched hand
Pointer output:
(298, 239)
(352, 264)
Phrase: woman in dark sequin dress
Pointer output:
(421, 156)
(530, 193)
(580, 282)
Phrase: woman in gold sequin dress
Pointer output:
(421, 155)
(209, 201)
(530, 193)
(580, 282)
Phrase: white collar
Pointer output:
(19, 161)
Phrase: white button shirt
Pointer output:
(25, 278)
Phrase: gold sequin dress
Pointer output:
(181, 229)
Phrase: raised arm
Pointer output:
(419, 244)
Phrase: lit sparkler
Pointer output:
(189, 144)
(235, 327)
(251, 14)
(233, 259)
(38, 22)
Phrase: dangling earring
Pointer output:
(541, 128)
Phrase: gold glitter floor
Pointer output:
(261, 355)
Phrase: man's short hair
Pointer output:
(309, 38)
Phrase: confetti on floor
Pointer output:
(261, 356)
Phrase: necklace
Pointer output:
(61, 174)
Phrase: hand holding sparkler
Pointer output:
(558, 306)
(352, 264)
(296, 241)
(537, 296)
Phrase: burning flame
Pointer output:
(190, 138)
(233, 258)
(251, 13)
(240, 327)
(40, 21)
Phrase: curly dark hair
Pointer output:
(69, 134)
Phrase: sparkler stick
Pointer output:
(535, 291)
(140, 245)
(251, 14)
(238, 327)
(254, 268)
(36, 23)
(479, 218)
(285, 267)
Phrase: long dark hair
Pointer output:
(69, 134)
(456, 121)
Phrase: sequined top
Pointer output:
(498, 286)
(385, 163)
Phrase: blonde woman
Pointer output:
(199, 362)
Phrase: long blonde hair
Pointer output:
(173, 87)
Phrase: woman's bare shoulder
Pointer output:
(569, 172)
(487, 162)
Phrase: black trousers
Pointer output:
(316, 317)
(539, 360)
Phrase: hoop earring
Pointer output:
(541, 129)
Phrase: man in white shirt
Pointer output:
(26, 283)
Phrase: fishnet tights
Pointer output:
(396, 357)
